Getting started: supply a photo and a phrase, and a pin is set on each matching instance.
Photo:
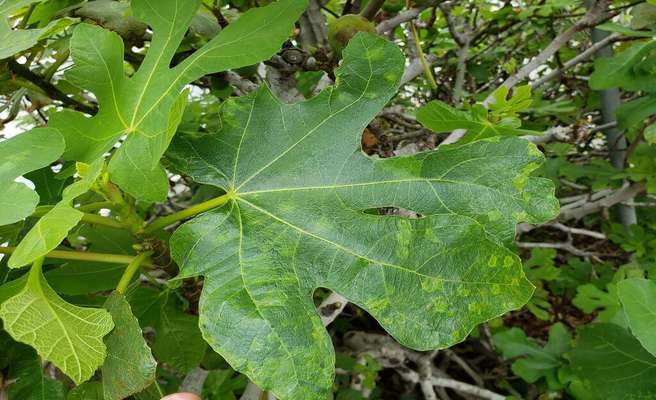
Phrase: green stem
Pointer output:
(163, 222)
(82, 256)
(28, 15)
(90, 218)
(422, 58)
(100, 220)
(132, 269)
(43, 210)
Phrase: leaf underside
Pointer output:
(69, 336)
(299, 187)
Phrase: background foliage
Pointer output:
(391, 199)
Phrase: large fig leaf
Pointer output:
(22, 154)
(638, 297)
(69, 336)
(612, 365)
(139, 106)
(299, 217)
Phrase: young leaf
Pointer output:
(53, 227)
(440, 117)
(21, 154)
(140, 106)
(520, 101)
(537, 361)
(129, 367)
(638, 297)
(66, 335)
(297, 187)
(612, 364)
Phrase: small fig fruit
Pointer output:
(342, 29)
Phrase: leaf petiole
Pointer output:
(83, 256)
(163, 222)
(90, 218)
(129, 272)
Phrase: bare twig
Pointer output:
(313, 26)
(466, 388)
(416, 68)
(624, 194)
(331, 307)
(371, 9)
(193, 382)
(586, 54)
(400, 18)
(594, 15)
(565, 246)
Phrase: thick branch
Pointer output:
(587, 53)
(619, 196)
(49, 89)
(400, 18)
(595, 15)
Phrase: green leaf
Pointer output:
(650, 134)
(520, 100)
(16, 40)
(148, 305)
(590, 298)
(440, 117)
(129, 367)
(48, 185)
(30, 380)
(141, 106)
(68, 336)
(222, 384)
(612, 364)
(537, 362)
(53, 227)
(178, 330)
(298, 187)
(638, 297)
(621, 70)
(631, 114)
(21, 154)
(87, 391)
(83, 277)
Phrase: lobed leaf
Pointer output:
(612, 364)
(21, 154)
(298, 188)
(68, 336)
(440, 117)
(147, 106)
(129, 366)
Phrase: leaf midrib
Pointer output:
(354, 253)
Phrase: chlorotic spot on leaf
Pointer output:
(299, 186)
